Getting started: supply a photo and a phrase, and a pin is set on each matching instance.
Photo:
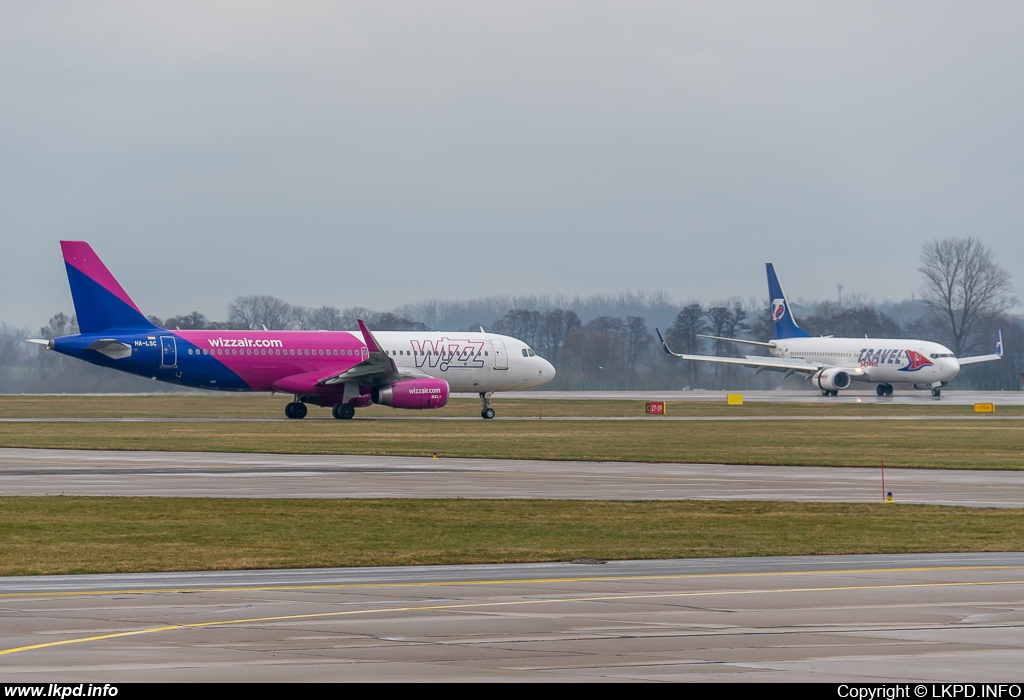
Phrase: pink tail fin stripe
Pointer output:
(81, 256)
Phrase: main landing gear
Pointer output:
(829, 392)
(487, 412)
(936, 393)
(884, 389)
(296, 409)
(343, 411)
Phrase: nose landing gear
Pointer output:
(486, 412)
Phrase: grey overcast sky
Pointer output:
(379, 153)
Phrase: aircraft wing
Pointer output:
(778, 364)
(378, 368)
(738, 340)
(997, 355)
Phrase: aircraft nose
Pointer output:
(547, 370)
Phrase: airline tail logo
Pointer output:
(778, 309)
(917, 361)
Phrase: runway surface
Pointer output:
(857, 619)
(857, 394)
(114, 473)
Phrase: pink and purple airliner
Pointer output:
(342, 370)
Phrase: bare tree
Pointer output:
(188, 322)
(964, 287)
(326, 318)
(256, 311)
(684, 334)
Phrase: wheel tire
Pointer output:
(936, 393)
(343, 411)
(300, 410)
(880, 389)
(487, 413)
(289, 410)
(888, 389)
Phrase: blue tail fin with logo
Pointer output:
(783, 324)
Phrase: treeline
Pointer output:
(595, 343)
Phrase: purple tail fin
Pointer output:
(100, 302)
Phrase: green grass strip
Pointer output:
(947, 444)
(67, 535)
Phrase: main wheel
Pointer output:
(880, 389)
(487, 413)
(888, 389)
(936, 393)
(343, 411)
(295, 409)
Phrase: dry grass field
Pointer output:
(65, 535)
(881, 431)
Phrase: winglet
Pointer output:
(999, 343)
(371, 342)
(664, 343)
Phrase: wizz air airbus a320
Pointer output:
(340, 369)
(833, 364)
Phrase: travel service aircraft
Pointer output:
(833, 364)
(341, 369)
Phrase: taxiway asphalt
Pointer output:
(853, 619)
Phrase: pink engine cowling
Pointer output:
(413, 393)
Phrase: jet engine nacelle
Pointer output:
(831, 379)
(412, 393)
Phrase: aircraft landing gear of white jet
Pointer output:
(829, 392)
(487, 412)
(936, 393)
(884, 389)
(296, 409)
(343, 411)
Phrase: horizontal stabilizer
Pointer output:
(737, 340)
(114, 349)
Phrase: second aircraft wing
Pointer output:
(770, 363)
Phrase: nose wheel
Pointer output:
(486, 411)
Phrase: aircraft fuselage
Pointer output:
(263, 360)
(879, 360)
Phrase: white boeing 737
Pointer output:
(833, 364)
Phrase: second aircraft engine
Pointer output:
(831, 379)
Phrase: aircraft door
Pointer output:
(168, 351)
(500, 356)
